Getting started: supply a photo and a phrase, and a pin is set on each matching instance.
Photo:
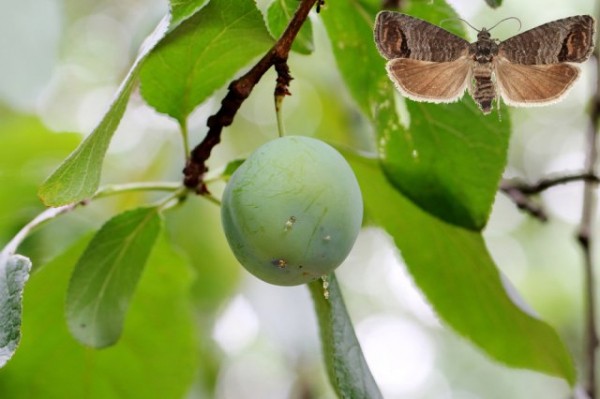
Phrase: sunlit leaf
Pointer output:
(14, 272)
(348, 371)
(183, 9)
(202, 54)
(107, 274)
(78, 177)
(453, 268)
(279, 14)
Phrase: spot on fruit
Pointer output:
(289, 223)
(280, 263)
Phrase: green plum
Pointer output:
(292, 211)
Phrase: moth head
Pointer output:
(484, 35)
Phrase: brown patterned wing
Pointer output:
(436, 82)
(531, 85)
(564, 40)
(401, 36)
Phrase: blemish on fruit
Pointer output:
(280, 263)
(289, 223)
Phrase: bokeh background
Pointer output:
(62, 62)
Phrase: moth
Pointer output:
(428, 63)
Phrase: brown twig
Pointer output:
(523, 200)
(238, 91)
(520, 192)
(584, 236)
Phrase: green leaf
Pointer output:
(437, 12)
(350, 30)
(14, 272)
(202, 54)
(107, 274)
(494, 3)
(347, 368)
(231, 168)
(449, 159)
(279, 14)
(453, 268)
(183, 9)
(78, 177)
(156, 358)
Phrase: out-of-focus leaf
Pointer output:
(14, 272)
(183, 9)
(347, 368)
(200, 55)
(107, 274)
(195, 230)
(453, 268)
(279, 14)
(156, 357)
(450, 157)
(78, 177)
(28, 152)
(494, 3)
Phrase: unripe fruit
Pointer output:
(292, 211)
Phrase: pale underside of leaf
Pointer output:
(14, 272)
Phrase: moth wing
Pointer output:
(531, 85)
(402, 36)
(564, 40)
(436, 82)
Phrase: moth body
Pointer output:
(482, 88)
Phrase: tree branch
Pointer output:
(520, 192)
(584, 236)
(238, 91)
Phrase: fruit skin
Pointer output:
(292, 211)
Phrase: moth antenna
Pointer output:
(506, 19)
(459, 19)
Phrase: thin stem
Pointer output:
(48, 214)
(278, 114)
(172, 200)
(144, 186)
(42, 218)
(585, 238)
(281, 90)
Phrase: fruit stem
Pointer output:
(279, 115)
